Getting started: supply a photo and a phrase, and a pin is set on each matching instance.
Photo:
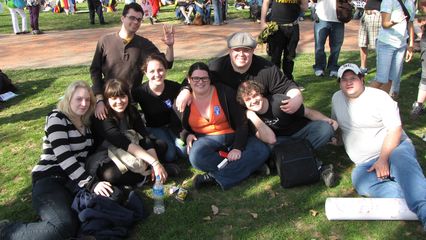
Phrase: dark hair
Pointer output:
(246, 88)
(198, 66)
(116, 88)
(154, 57)
(135, 6)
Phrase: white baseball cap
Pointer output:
(348, 66)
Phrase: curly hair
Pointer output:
(247, 88)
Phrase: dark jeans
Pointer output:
(283, 46)
(52, 202)
(95, 5)
(34, 13)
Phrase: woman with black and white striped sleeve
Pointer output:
(60, 172)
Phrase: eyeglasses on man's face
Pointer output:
(134, 19)
(198, 79)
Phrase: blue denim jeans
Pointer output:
(335, 32)
(205, 13)
(174, 149)
(389, 62)
(318, 133)
(407, 179)
(205, 157)
(52, 202)
(217, 10)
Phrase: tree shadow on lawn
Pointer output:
(19, 209)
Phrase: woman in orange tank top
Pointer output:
(214, 122)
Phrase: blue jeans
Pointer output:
(174, 148)
(318, 133)
(217, 10)
(335, 31)
(52, 202)
(205, 157)
(407, 179)
(389, 62)
(205, 13)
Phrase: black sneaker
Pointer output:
(172, 169)
(201, 180)
(264, 170)
(417, 110)
(328, 176)
(3, 224)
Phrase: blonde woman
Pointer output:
(60, 172)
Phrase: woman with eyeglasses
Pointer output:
(156, 98)
(215, 122)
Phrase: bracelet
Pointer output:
(99, 100)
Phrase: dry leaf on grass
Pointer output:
(254, 215)
(215, 210)
(313, 212)
(208, 218)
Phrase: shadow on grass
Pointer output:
(19, 209)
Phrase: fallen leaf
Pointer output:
(332, 237)
(254, 215)
(313, 212)
(215, 210)
(208, 218)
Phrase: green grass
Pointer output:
(282, 213)
(49, 21)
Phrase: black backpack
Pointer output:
(344, 11)
(6, 84)
(296, 163)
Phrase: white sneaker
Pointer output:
(333, 74)
(319, 73)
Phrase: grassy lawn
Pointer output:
(281, 213)
(49, 21)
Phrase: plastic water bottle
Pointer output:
(158, 193)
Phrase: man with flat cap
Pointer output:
(384, 156)
(241, 64)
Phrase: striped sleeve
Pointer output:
(60, 136)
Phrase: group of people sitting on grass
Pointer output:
(95, 140)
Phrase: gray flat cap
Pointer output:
(241, 39)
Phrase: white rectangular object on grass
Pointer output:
(368, 209)
(6, 96)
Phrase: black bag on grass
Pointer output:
(6, 84)
(296, 163)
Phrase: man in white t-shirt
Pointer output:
(385, 158)
(327, 26)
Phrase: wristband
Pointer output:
(99, 100)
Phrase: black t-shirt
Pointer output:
(261, 70)
(158, 110)
(373, 5)
(283, 124)
(285, 11)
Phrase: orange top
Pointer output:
(217, 123)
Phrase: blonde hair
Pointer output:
(64, 103)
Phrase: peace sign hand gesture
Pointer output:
(168, 35)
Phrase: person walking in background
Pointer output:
(155, 4)
(15, 8)
(217, 12)
(368, 31)
(418, 105)
(283, 43)
(397, 27)
(33, 7)
(95, 6)
(327, 26)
